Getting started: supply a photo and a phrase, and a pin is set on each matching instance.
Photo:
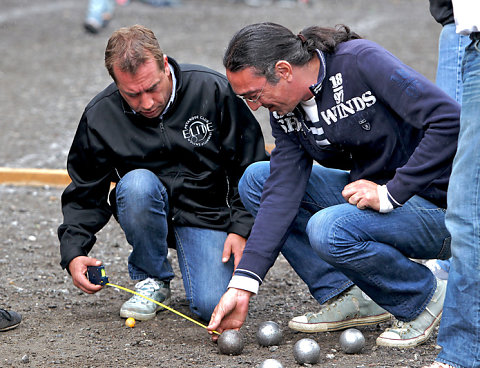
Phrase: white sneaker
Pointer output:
(143, 309)
(413, 333)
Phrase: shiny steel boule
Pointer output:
(270, 363)
(230, 342)
(352, 341)
(306, 351)
(269, 333)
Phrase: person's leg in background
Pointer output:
(459, 331)
(99, 13)
(451, 48)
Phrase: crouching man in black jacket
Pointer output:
(176, 140)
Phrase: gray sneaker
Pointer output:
(142, 309)
(349, 309)
(413, 333)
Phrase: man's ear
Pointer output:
(165, 65)
(284, 69)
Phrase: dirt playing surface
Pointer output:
(50, 68)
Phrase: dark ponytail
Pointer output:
(261, 45)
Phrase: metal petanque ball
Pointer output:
(270, 363)
(269, 333)
(306, 351)
(230, 342)
(352, 341)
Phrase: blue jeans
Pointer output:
(459, 333)
(451, 47)
(142, 211)
(364, 246)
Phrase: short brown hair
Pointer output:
(131, 47)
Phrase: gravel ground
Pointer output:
(49, 70)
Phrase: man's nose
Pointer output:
(146, 101)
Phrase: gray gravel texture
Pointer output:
(49, 69)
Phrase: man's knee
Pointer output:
(328, 235)
(137, 182)
(138, 192)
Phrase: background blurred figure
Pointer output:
(281, 3)
(451, 48)
(100, 12)
(459, 331)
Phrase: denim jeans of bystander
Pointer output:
(459, 333)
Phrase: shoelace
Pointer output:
(148, 283)
(332, 304)
(145, 287)
(340, 298)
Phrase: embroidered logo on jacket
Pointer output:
(344, 109)
(198, 130)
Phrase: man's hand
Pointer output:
(363, 194)
(78, 269)
(230, 313)
(233, 244)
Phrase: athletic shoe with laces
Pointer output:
(349, 309)
(413, 333)
(9, 320)
(143, 309)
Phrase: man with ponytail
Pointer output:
(363, 152)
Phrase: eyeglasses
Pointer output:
(254, 100)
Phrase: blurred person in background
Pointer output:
(459, 332)
(100, 12)
(451, 47)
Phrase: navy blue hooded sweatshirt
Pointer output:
(382, 121)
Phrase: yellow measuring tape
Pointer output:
(160, 304)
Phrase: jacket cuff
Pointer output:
(239, 229)
(244, 283)
(386, 205)
(395, 203)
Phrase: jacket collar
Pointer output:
(322, 72)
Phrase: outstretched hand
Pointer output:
(231, 312)
(78, 270)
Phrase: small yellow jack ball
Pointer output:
(130, 322)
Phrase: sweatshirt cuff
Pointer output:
(385, 205)
(244, 283)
